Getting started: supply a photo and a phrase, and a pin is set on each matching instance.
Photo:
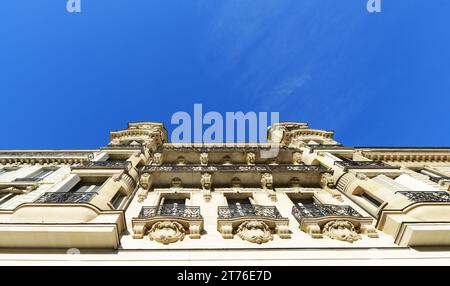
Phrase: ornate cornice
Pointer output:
(235, 168)
(44, 157)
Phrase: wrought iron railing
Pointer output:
(248, 210)
(181, 211)
(66, 197)
(27, 179)
(112, 164)
(426, 196)
(440, 178)
(322, 210)
(350, 164)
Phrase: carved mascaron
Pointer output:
(157, 158)
(204, 159)
(254, 231)
(251, 157)
(341, 230)
(167, 232)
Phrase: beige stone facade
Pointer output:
(142, 200)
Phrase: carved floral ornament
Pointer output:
(167, 232)
(254, 231)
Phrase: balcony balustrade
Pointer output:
(440, 178)
(65, 197)
(350, 164)
(113, 164)
(426, 196)
(180, 211)
(248, 210)
(301, 212)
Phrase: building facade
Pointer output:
(302, 198)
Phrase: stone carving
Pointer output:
(297, 142)
(181, 161)
(251, 157)
(167, 232)
(297, 158)
(326, 182)
(267, 185)
(226, 160)
(17, 189)
(206, 185)
(157, 158)
(145, 182)
(361, 176)
(204, 159)
(266, 181)
(254, 231)
(176, 183)
(294, 182)
(236, 182)
(341, 230)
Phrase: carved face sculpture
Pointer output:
(157, 158)
(266, 181)
(204, 158)
(294, 182)
(206, 181)
(341, 230)
(251, 158)
(176, 183)
(181, 160)
(297, 158)
(167, 232)
(235, 182)
(254, 231)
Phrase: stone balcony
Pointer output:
(253, 223)
(338, 222)
(168, 223)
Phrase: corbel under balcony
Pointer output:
(253, 223)
(168, 223)
(338, 222)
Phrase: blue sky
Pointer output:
(375, 79)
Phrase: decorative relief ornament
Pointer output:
(157, 158)
(204, 159)
(176, 183)
(297, 158)
(205, 181)
(254, 231)
(181, 161)
(251, 158)
(167, 232)
(236, 183)
(267, 185)
(266, 181)
(341, 230)
(145, 182)
(326, 182)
